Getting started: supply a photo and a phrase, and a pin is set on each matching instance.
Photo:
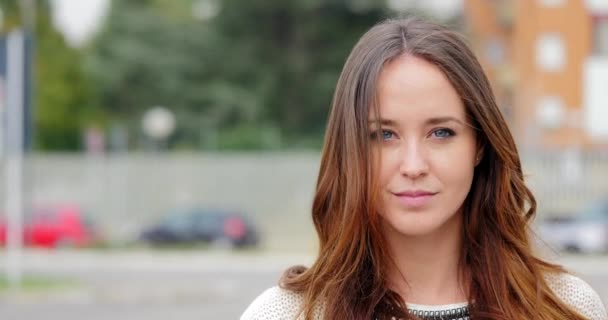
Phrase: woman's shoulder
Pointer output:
(274, 303)
(578, 294)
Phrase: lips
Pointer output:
(414, 193)
(415, 198)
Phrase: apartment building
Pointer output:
(548, 64)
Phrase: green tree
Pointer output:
(289, 54)
(149, 54)
(259, 74)
(64, 101)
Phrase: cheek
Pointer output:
(455, 167)
(388, 167)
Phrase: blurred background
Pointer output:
(159, 157)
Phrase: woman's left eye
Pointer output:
(443, 133)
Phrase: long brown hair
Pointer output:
(349, 276)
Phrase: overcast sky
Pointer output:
(79, 19)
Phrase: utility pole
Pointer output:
(17, 94)
(15, 52)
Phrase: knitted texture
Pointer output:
(279, 304)
(578, 295)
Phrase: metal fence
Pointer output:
(564, 182)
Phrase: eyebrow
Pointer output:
(431, 121)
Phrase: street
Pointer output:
(146, 284)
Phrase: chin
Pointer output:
(415, 230)
(416, 224)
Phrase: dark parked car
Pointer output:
(585, 232)
(193, 226)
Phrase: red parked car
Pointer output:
(57, 226)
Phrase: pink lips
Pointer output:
(415, 198)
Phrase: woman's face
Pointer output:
(427, 149)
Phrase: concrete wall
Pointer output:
(125, 192)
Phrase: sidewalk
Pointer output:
(157, 260)
(210, 260)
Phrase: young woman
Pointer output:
(421, 207)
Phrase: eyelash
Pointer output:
(450, 132)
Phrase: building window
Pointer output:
(600, 36)
(550, 112)
(550, 52)
(552, 3)
(495, 51)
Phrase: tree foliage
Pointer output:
(256, 74)
(259, 74)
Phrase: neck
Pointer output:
(427, 268)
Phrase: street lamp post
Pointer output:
(158, 123)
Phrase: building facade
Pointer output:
(548, 64)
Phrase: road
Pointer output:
(163, 285)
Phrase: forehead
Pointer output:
(410, 88)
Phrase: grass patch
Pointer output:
(37, 283)
(186, 247)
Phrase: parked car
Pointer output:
(584, 232)
(55, 226)
(192, 226)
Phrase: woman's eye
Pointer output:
(384, 135)
(443, 133)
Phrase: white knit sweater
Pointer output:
(278, 304)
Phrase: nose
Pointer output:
(414, 162)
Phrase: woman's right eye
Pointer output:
(384, 135)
